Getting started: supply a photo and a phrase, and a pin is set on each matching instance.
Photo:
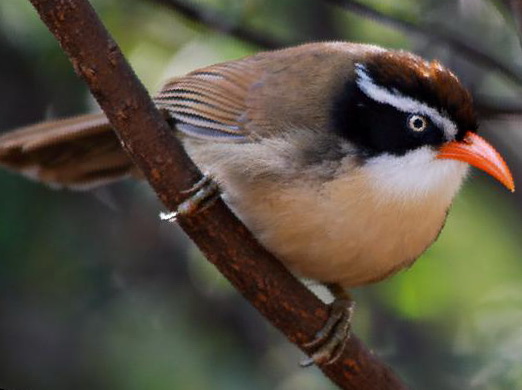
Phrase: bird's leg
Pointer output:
(331, 340)
(201, 196)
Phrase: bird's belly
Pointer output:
(331, 234)
(353, 227)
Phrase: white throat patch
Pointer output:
(401, 102)
(416, 175)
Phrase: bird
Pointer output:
(342, 158)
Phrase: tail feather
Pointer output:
(78, 153)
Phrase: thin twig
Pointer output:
(488, 108)
(214, 20)
(456, 43)
(261, 279)
(516, 10)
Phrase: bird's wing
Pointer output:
(211, 103)
(264, 95)
(83, 152)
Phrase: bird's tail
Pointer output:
(78, 153)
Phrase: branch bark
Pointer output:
(260, 278)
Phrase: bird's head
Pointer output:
(402, 110)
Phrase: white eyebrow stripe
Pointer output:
(401, 102)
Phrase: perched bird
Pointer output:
(343, 159)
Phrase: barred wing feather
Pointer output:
(210, 103)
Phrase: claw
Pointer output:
(331, 340)
(208, 191)
(203, 194)
(201, 183)
(169, 217)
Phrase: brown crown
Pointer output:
(429, 82)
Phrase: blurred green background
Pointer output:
(96, 292)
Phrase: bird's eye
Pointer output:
(417, 123)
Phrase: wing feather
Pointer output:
(47, 133)
(211, 103)
(79, 153)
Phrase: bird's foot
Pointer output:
(203, 194)
(330, 342)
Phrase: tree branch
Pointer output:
(489, 108)
(214, 20)
(457, 44)
(261, 279)
(516, 10)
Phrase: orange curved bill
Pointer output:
(477, 152)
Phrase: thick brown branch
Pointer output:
(221, 237)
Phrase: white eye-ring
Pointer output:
(417, 123)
